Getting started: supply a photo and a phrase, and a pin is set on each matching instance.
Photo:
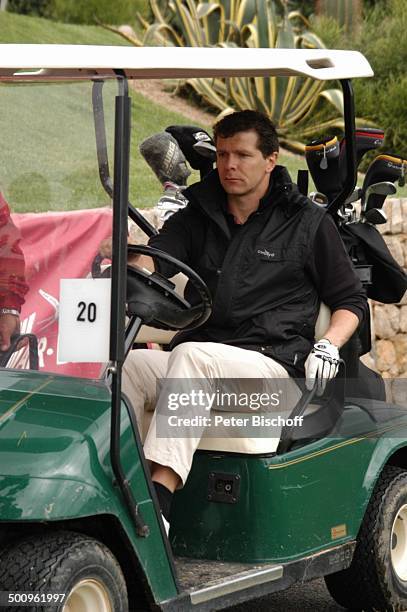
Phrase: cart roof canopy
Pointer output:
(22, 62)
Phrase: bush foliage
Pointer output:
(28, 7)
(91, 11)
(86, 12)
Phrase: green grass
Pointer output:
(22, 29)
(48, 158)
(49, 161)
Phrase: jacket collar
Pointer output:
(210, 196)
(280, 181)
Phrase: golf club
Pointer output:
(375, 216)
(376, 194)
(347, 214)
(355, 196)
(318, 198)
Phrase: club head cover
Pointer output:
(187, 136)
(206, 149)
(384, 168)
(366, 139)
(322, 158)
(164, 156)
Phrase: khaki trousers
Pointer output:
(191, 360)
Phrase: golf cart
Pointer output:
(80, 526)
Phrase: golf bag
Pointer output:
(382, 277)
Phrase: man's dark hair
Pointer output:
(242, 121)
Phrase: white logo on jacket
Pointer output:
(265, 252)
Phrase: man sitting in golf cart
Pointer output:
(12, 283)
(269, 257)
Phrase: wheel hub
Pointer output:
(399, 543)
(88, 595)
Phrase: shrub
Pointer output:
(383, 38)
(28, 7)
(385, 103)
(384, 42)
(117, 12)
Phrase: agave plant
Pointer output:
(248, 23)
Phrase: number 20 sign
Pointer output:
(84, 320)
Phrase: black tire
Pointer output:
(373, 581)
(59, 562)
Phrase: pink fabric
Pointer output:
(56, 245)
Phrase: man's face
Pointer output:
(241, 166)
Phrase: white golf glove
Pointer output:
(321, 365)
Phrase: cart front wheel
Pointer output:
(88, 595)
(399, 543)
(73, 564)
(377, 577)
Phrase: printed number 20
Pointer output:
(87, 312)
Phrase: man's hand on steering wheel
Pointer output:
(154, 298)
(151, 296)
(105, 248)
(143, 261)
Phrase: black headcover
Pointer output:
(330, 174)
(384, 168)
(164, 156)
(187, 136)
(322, 158)
(366, 139)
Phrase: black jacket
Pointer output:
(262, 275)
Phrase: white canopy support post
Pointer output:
(3, 5)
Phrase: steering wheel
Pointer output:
(153, 298)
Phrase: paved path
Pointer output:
(312, 596)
